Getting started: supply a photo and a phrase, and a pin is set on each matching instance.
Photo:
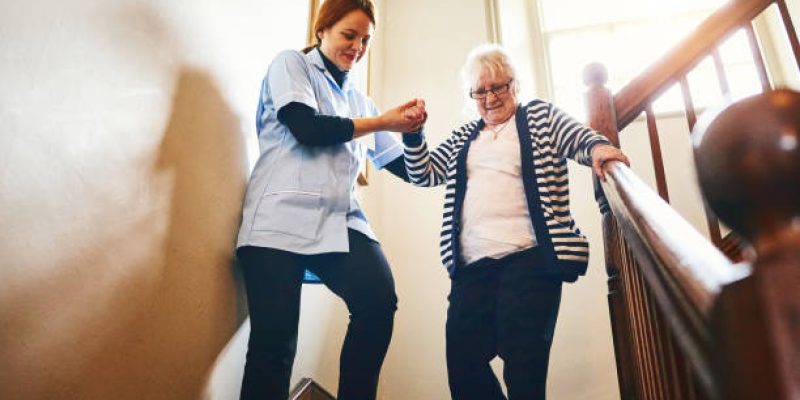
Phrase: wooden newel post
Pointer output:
(600, 103)
(748, 164)
(602, 118)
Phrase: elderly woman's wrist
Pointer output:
(413, 139)
(594, 145)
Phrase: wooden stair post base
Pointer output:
(307, 389)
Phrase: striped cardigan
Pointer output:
(547, 138)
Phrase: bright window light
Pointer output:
(626, 36)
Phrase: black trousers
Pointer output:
(273, 279)
(503, 308)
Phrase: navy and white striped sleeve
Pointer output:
(573, 139)
(426, 168)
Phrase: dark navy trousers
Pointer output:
(273, 279)
(506, 308)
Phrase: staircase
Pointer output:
(689, 321)
(307, 389)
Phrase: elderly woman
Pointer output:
(508, 239)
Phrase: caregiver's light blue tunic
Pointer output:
(301, 198)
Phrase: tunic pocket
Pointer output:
(293, 212)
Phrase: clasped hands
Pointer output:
(407, 117)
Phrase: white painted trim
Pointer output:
(493, 32)
(540, 57)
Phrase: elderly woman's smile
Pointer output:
(496, 96)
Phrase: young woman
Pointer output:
(300, 211)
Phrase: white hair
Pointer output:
(490, 57)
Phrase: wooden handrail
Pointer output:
(683, 270)
(733, 325)
(699, 268)
(631, 100)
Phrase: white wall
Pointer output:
(419, 54)
(676, 150)
(124, 129)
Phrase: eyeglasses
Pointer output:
(481, 94)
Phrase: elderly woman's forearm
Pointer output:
(398, 168)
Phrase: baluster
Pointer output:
(633, 338)
(688, 103)
(644, 331)
(683, 372)
(790, 31)
(655, 151)
(658, 347)
(758, 59)
(635, 311)
(693, 386)
(646, 363)
(722, 77)
(670, 360)
(618, 304)
(691, 118)
(655, 348)
(628, 273)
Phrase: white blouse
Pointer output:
(495, 217)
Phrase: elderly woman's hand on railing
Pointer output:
(603, 153)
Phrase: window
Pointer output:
(624, 35)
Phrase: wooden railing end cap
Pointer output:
(595, 74)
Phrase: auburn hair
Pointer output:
(332, 11)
